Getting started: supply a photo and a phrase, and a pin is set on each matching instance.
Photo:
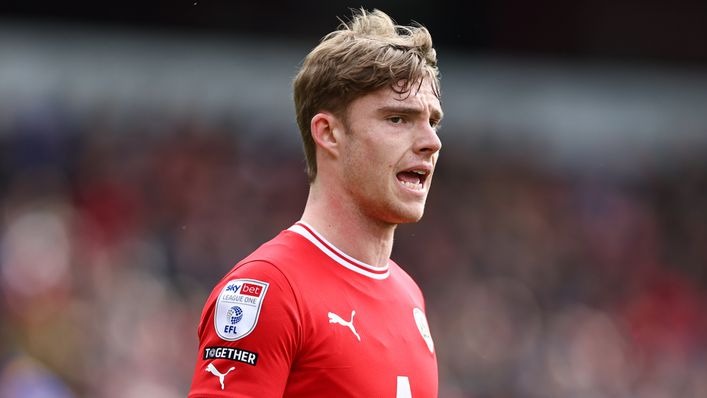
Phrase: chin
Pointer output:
(406, 216)
(410, 220)
(395, 212)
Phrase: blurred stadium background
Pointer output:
(145, 148)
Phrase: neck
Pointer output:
(343, 224)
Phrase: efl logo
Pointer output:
(251, 290)
(238, 308)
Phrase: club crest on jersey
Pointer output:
(238, 308)
(423, 327)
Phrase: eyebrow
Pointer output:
(408, 110)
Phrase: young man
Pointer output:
(321, 310)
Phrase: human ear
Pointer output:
(325, 129)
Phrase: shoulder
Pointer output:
(259, 281)
(405, 281)
(286, 248)
(271, 262)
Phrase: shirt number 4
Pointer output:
(403, 390)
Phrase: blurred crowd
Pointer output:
(539, 282)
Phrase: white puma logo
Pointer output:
(211, 368)
(333, 318)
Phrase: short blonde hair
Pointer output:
(365, 54)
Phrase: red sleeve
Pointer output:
(248, 336)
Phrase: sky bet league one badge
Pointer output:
(238, 308)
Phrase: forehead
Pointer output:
(420, 96)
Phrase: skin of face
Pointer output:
(391, 138)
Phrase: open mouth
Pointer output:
(413, 179)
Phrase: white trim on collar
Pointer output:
(337, 255)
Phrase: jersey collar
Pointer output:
(337, 255)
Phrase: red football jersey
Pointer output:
(299, 318)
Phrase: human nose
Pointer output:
(428, 141)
